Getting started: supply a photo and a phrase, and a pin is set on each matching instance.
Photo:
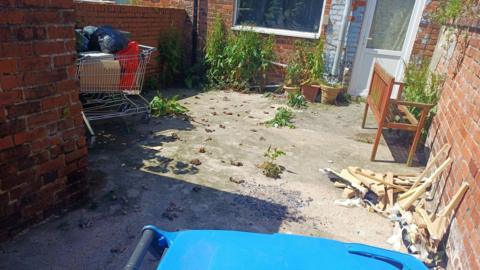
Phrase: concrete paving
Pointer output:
(141, 173)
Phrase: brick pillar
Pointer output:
(42, 137)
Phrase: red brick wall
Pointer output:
(207, 12)
(427, 35)
(42, 143)
(146, 24)
(458, 123)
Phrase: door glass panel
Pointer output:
(390, 23)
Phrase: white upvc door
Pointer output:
(388, 34)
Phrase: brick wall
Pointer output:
(146, 24)
(427, 35)
(458, 123)
(283, 46)
(42, 143)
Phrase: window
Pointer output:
(284, 15)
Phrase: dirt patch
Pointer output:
(141, 173)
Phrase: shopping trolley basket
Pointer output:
(110, 85)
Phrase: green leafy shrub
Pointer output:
(316, 63)
(423, 86)
(247, 57)
(215, 53)
(236, 59)
(293, 74)
(449, 11)
(283, 118)
(270, 168)
(170, 57)
(195, 75)
(166, 106)
(306, 65)
(297, 101)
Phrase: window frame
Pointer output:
(279, 32)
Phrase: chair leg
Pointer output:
(413, 148)
(365, 115)
(376, 142)
(416, 139)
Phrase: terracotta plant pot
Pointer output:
(291, 89)
(310, 92)
(329, 93)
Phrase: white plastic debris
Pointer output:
(355, 202)
(396, 238)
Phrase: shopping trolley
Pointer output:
(110, 85)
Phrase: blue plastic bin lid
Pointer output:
(232, 250)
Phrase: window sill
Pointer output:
(277, 32)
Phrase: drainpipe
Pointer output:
(194, 31)
(343, 28)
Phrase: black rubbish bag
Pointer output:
(108, 40)
(81, 41)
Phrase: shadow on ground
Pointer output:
(135, 193)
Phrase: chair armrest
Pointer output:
(412, 104)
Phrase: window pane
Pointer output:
(297, 15)
(390, 24)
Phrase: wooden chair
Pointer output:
(392, 113)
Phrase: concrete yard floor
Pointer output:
(141, 174)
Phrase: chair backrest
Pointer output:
(381, 86)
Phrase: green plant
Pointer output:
(237, 59)
(170, 56)
(423, 86)
(270, 168)
(292, 76)
(449, 11)
(298, 68)
(296, 100)
(195, 75)
(316, 63)
(166, 106)
(247, 57)
(282, 118)
(215, 52)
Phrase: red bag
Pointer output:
(129, 63)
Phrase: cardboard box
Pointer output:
(99, 76)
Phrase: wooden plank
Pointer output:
(408, 201)
(389, 179)
(378, 180)
(339, 185)
(348, 193)
(445, 148)
(365, 180)
(350, 179)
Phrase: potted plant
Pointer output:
(330, 89)
(292, 78)
(314, 72)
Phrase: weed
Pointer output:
(422, 86)
(270, 168)
(165, 106)
(297, 101)
(237, 59)
(282, 118)
(215, 53)
(449, 11)
(170, 57)
(195, 75)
